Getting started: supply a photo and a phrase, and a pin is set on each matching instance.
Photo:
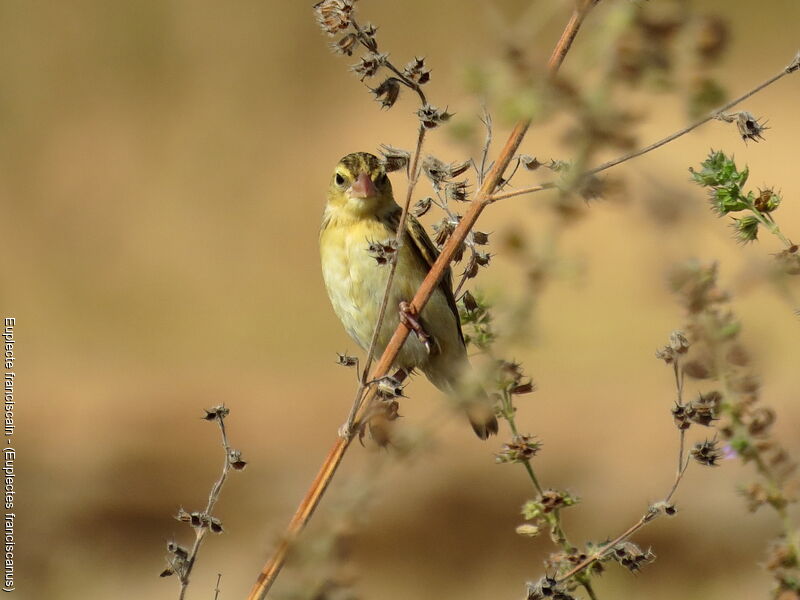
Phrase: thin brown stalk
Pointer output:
(213, 496)
(311, 500)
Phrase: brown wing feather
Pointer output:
(425, 250)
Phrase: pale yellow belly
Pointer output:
(356, 282)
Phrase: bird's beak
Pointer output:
(363, 187)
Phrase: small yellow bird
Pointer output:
(361, 210)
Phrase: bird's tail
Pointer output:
(469, 396)
(481, 417)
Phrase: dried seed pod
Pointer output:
(520, 449)
(217, 412)
(346, 45)
(390, 387)
(394, 159)
(369, 64)
(479, 237)
(529, 162)
(387, 92)
(431, 116)
(456, 190)
(417, 72)
(442, 231)
(678, 342)
(382, 252)
(422, 207)
(750, 128)
(235, 460)
(707, 453)
(333, 15)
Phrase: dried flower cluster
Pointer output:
(337, 17)
(744, 423)
(180, 560)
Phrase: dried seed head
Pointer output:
(681, 416)
(346, 45)
(346, 360)
(471, 270)
(705, 408)
(456, 190)
(235, 460)
(707, 453)
(666, 354)
(469, 302)
(177, 550)
(417, 72)
(394, 159)
(479, 237)
(333, 15)
(750, 128)
(214, 524)
(389, 387)
(431, 117)
(422, 207)
(678, 342)
(529, 162)
(218, 412)
(663, 507)
(630, 556)
(442, 231)
(369, 64)
(387, 92)
(436, 170)
(368, 37)
(546, 588)
(520, 449)
(382, 252)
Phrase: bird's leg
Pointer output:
(410, 318)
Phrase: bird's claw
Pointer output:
(410, 318)
(346, 431)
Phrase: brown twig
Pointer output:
(482, 199)
(202, 530)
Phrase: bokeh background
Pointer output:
(163, 165)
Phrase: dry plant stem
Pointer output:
(683, 463)
(216, 587)
(655, 145)
(213, 496)
(310, 501)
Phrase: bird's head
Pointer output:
(359, 185)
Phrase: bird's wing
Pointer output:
(424, 249)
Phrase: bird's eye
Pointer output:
(339, 179)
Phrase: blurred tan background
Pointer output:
(162, 174)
